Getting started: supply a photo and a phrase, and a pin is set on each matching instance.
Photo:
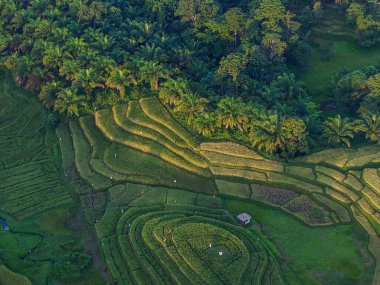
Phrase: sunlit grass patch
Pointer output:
(153, 108)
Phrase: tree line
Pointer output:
(223, 67)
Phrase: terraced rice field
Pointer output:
(149, 190)
(102, 154)
(29, 158)
(105, 154)
(177, 241)
(336, 177)
(130, 165)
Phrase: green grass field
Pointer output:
(9, 277)
(313, 255)
(333, 31)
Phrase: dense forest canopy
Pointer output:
(223, 67)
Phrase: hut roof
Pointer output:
(244, 217)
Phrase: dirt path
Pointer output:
(90, 244)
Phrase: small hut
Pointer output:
(244, 218)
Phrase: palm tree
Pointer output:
(54, 56)
(49, 92)
(284, 109)
(191, 105)
(117, 80)
(291, 89)
(270, 93)
(76, 45)
(104, 65)
(88, 79)
(60, 35)
(205, 123)
(135, 76)
(151, 52)
(22, 68)
(266, 133)
(338, 130)
(232, 113)
(70, 69)
(370, 124)
(68, 101)
(172, 91)
(152, 72)
(104, 42)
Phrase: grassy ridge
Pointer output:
(147, 169)
(223, 159)
(153, 108)
(97, 141)
(105, 122)
(231, 149)
(9, 277)
(82, 159)
(372, 178)
(119, 113)
(136, 115)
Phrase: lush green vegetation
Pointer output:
(142, 185)
(334, 47)
(223, 67)
(314, 189)
(314, 255)
(37, 205)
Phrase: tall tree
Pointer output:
(70, 102)
(233, 66)
(270, 14)
(293, 134)
(206, 123)
(153, 72)
(265, 134)
(54, 56)
(173, 90)
(191, 105)
(198, 12)
(337, 130)
(370, 125)
(235, 22)
(118, 79)
(232, 113)
(374, 85)
(49, 93)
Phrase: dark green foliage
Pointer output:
(51, 120)
(84, 56)
(73, 262)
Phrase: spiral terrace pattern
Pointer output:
(185, 245)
